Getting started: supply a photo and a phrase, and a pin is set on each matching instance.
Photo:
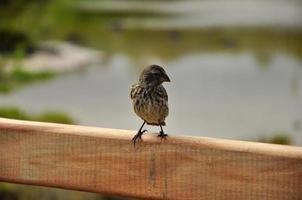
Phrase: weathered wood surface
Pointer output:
(104, 160)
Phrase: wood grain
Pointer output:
(105, 161)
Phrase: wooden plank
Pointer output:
(104, 160)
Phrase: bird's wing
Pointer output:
(134, 90)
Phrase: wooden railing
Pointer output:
(105, 161)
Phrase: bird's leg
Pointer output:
(139, 134)
(161, 133)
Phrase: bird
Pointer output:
(150, 99)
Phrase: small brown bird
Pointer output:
(150, 99)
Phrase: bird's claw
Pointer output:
(162, 134)
(138, 136)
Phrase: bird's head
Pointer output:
(153, 75)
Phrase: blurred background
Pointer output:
(235, 66)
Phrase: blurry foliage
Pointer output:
(24, 192)
(10, 79)
(57, 117)
(64, 20)
(50, 116)
(21, 75)
(278, 138)
(13, 40)
(14, 47)
(7, 192)
(18, 4)
(13, 113)
(170, 44)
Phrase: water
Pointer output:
(214, 95)
(200, 13)
(242, 82)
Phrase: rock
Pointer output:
(61, 57)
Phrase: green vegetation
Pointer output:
(278, 138)
(17, 77)
(10, 191)
(170, 44)
(64, 20)
(13, 40)
(57, 117)
(50, 116)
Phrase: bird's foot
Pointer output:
(138, 136)
(162, 134)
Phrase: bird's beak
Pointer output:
(166, 78)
